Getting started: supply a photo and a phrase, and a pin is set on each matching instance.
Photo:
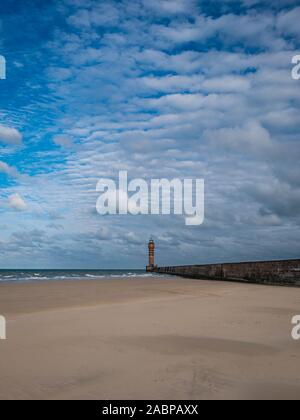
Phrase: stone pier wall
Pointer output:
(285, 272)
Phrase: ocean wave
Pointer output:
(93, 276)
(52, 275)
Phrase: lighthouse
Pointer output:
(151, 248)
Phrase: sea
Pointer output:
(53, 275)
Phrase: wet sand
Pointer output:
(149, 338)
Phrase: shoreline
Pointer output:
(29, 276)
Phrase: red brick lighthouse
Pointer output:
(151, 248)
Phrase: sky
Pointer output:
(162, 89)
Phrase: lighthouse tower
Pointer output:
(151, 248)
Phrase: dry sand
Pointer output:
(150, 338)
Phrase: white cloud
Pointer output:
(170, 6)
(249, 29)
(10, 135)
(102, 14)
(8, 170)
(288, 22)
(227, 84)
(251, 137)
(16, 202)
(63, 141)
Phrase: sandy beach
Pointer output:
(148, 338)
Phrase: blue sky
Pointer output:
(168, 88)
